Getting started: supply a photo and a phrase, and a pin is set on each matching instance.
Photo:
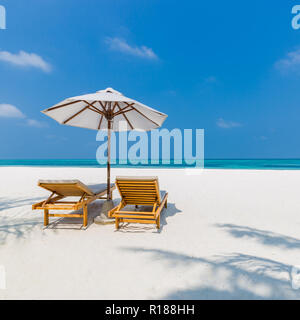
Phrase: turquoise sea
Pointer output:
(265, 164)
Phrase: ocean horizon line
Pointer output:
(93, 159)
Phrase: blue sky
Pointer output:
(228, 67)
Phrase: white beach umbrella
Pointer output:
(106, 109)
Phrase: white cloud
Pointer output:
(35, 123)
(290, 63)
(10, 111)
(25, 59)
(227, 124)
(121, 45)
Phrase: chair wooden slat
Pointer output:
(139, 191)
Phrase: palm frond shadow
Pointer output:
(264, 237)
(8, 203)
(17, 230)
(249, 277)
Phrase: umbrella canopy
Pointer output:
(95, 110)
(106, 109)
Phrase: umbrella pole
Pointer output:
(108, 159)
(108, 204)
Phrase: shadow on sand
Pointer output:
(244, 276)
(17, 202)
(263, 236)
(18, 230)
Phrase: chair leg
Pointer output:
(117, 223)
(158, 222)
(85, 215)
(166, 204)
(46, 217)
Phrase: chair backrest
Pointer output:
(66, 188)
(139, 190)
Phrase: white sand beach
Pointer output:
(227, 234)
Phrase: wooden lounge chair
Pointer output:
(61, 189)
(139, 191)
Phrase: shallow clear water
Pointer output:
(286, 164)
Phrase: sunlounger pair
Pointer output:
(137, 191)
